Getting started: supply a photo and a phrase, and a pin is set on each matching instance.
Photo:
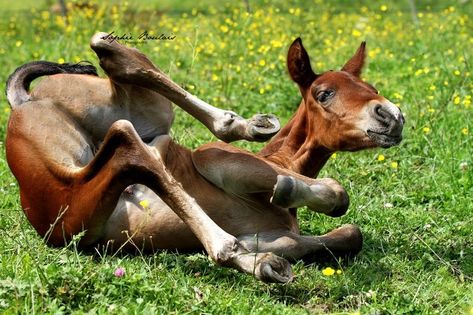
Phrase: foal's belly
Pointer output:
(141, 219)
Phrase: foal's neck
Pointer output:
(297, 146)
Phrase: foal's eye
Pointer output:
(324, 96)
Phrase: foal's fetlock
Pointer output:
(225, 251)
(260, 127)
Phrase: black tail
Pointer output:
(19, 82)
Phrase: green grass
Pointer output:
(414, 207)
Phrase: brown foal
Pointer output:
(93, 155)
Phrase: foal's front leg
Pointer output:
(242, 173)
(128, 66)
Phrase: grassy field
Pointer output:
(413, 202)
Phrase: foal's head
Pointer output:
(346, 112)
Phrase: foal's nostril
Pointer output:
(378, 110)
(383, 114)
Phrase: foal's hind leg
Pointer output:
(128, 160)
(128, 66)
(344, 241)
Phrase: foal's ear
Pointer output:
(298, 64)
(355, 64)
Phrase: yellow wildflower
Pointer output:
(18, 43)
(224, 28)
(456, 100)
(394, 165)
(356, 33)
(384, 8)
(276, 43)
(262, 63)
(61, 60)
(329, 271)
(339, 271)
(214, 77)
(465, 131)
(426, 130)
(381, 158)
(144, 203)
(333, 156)
(45, 15)
(456, 72)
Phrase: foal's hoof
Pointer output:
(274, 269)
(262, 127)
(283, 194)
(266, 267)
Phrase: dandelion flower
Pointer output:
(329, 271)
(394, 165)
(224, 28)
(426, 130)
(356, 33)
(456, 100)
(339, 271)
(465, 131)
(381, 158)
(384, 8)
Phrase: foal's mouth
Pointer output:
(384, 140)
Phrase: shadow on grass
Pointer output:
(370, 268)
